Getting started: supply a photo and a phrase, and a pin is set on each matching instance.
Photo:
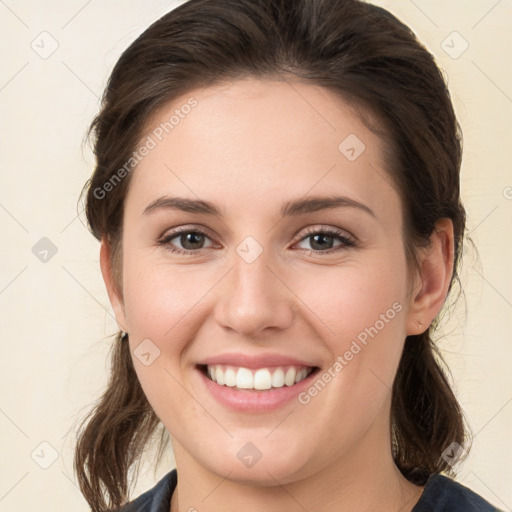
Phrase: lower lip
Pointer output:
(254, 401)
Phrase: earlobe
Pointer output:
(114, 294)
(436, 268)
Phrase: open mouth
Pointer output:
(257, 379)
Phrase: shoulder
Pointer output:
(156, 499)
(442, 494)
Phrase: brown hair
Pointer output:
(367, 57)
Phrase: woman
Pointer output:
(277, 200)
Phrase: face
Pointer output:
(309, 304)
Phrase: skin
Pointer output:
(248, 147)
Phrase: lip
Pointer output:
(251, 401)
(267, 360)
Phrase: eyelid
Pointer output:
(323, 228)
(315, 228)
(348, 240)
(186, 228)
(172, 233)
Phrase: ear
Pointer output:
(113, 293)
(433, 281)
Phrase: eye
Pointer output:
(322, 240)
(190, 239)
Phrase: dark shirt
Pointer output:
(441, 494)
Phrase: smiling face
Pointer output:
(315, 303)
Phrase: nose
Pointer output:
(254, 299)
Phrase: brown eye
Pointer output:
(323, 240)
(191, 241)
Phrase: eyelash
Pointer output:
(331, 232)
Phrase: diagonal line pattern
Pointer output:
(90, 294)
(169, 169)
(287, 492)
(206, 293)
(386, 178)
(13, 13)
(13, 279)
(310, 104)
(492, 81)
(14, 485)
(379, 379)
(497, 291)
(279, 424)
(490, 490)
(309, 190)
(485, 218)
(72, 220)
(79, 78)
(408, 502)
(14, 218)
(486, 14)
(14, 76)
(76, 14)
(503, 407)
(71, 480)
(232, 267)
(332, 332)
(424, 13)
(217, 486)
(14, 423)
(198, 403)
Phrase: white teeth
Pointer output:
(219, 376)
(230, 377)
(278, 378)
(244, 378)
(289, 378)
(260, 379)
(301, 375)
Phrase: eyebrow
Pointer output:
(296, 207)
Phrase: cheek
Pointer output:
(159, 298)
(350, 299)
(364, 308)
(160, 304)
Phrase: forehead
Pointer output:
(263, 140)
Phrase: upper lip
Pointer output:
(255, 361)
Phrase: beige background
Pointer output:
(55, 315)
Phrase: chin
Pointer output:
(258, 462)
